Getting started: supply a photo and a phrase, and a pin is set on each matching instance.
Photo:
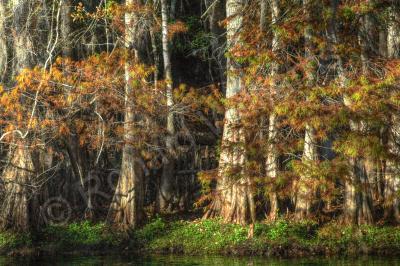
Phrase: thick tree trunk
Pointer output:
(391, 178)
(234, 200)
(393, 34)
(18, 176)
(357, 207)
(126, 209)
(305, 193)
(23, 43)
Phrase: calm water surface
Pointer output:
(191, 260)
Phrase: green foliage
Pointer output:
(278, 230)
(10, 241)
(83, 234)
(214, 236)
(210, 237)
(151, 230)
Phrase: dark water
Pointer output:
(192, 260)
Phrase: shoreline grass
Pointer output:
(207, 237)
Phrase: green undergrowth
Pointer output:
(83, 235)
(10, 241)
(203, 237)
(281, 238)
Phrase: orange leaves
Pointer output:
(63, 129)
(176, 28)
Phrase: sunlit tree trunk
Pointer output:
(23, 43)
(234, 197)
(392, 181)
(271, 167)
(393, 34)
(3, 41)
(305, 193)
(126, 209)
(17, 210)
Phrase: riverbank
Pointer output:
(207, 237)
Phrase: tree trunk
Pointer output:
(357, 207)
(16, 211)
(65, 29)
(391, 178)
(263, 14)
(3, 42)
(305, 193)
(392, 181)
(23, 43)
(271, 167)
(393, 35)
(156, 59)
(126, 209)
(234, 196)
(166, 190)
(19, 208)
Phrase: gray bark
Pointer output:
(234, 199)
(272, 156)
(126, 209)
(391, 175)
(166, 191)
(17, 210)
(393, 36)
(305, 193)
(263, 14)
(23, 43)
(3, 41)
(66, 29)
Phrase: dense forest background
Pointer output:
(241, 109)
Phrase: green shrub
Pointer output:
(10, 241)
(82, 234)
(278, 230)
(151, 230)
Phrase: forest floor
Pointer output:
(204, 237)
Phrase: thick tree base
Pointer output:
(18, 178)
(234, 204)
